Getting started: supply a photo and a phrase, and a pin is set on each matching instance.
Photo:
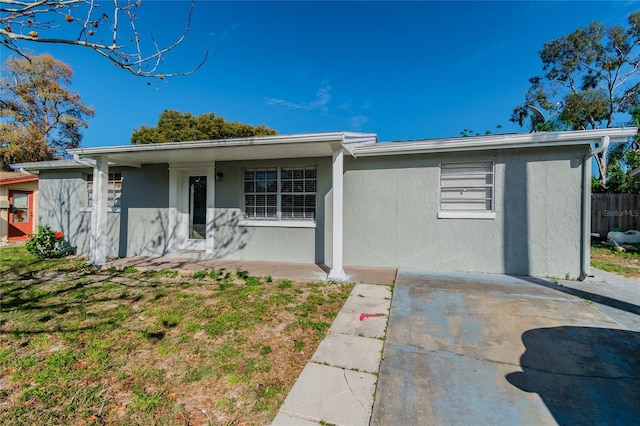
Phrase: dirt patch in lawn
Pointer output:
(80, 346)
(618, 262)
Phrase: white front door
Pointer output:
(196, 211)
(193, 210)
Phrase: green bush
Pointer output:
(46, 243)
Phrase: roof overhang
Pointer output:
(317, 145)
(13, 181)
(506, 141)
(52, 165)
(255, 148)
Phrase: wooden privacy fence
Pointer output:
(610, 211)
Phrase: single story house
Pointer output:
(18, 205)
(513, 203)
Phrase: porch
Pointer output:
(211, 186)
(278, 270)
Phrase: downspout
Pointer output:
(585, 216)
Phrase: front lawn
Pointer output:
(82, 347)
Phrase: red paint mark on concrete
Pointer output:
(365, 316)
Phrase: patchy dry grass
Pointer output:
(84, 347)
(621, 263)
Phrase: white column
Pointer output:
(211, 204)
(98, 232)
(174, 182)
(337, 183)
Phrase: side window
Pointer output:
(467, 190)
(114, 190)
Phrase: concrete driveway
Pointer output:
(491, 349)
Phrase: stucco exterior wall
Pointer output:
(4, 212)
(236, 241)
(144, 229)
(64, 206)
(391, 207)
(390, 214)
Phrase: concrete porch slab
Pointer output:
(280, 270)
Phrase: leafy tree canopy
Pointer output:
(174, 126)
(621, 159)
(588, 77)
(40, 117)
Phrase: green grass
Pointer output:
(621, 263)
(81, 346)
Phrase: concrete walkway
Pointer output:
(337, 386)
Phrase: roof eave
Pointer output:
(335, 137)
(50, 165)
(18, 180)
(513, 141)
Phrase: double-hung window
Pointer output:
(467, 190)
(114, 190)
(280, 194)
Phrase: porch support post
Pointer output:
(337, 184)
(211, 205)
(98, 231)
(174, 176)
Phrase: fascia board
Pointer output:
(266, 140)
(18, 180)
(48, 165)
(520, 140)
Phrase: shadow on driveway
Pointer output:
(584, 375)
(497, 349)
(596, 296)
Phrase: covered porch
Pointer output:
(277, 270)
(196, 172)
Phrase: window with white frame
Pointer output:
(114, 190)
(467, 190)
(280, 193)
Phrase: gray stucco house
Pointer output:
(514, 204)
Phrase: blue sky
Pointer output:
(403, 70)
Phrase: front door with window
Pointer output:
(20, 215)
(197, 207)
(194, 210)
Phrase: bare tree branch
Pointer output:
(44, 21)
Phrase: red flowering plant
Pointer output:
(47, 243)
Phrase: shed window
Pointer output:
(467, 190)
(114, 190)
(280, 193)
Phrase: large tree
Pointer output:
(109, 29)
(588, 77)
(174, 126)
(621, 159)
(40, 116)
